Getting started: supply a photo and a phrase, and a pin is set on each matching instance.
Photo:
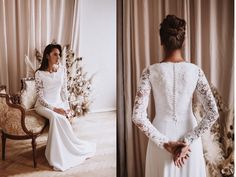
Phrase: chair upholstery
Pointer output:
(28, 93)
(11, 120)
(18, 119)
(3, 107)
(34, 122)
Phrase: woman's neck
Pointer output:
(50, 68)
(173, 55)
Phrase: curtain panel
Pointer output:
(27, 25)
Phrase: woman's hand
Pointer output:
(69, 114)
(60, 111)
(181, 154)
(172, 146)
(179, 150)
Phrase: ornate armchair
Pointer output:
(18, 120)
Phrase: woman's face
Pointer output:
(54, 56)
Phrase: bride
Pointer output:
(174, 132)
(63, 150)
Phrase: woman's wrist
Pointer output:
(186, 141)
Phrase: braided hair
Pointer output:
(172, 32)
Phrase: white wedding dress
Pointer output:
(173, 85)
(63, 150)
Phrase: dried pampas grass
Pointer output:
(218, 142)
(212, 150)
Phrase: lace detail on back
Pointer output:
(140, 111)
(207, 99)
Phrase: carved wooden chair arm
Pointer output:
(15, 120)
(12, 116)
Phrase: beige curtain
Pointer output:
(209, 44)
(29, 24)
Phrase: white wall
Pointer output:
(98, 49)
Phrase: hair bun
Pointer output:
(174, 22)
(172, 32)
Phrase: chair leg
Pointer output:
(3, 145)
(34, 151)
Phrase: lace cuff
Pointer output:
(39, 91)
(207, 99)
(140, 112)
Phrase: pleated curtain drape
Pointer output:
(209, 44)
(27, 25)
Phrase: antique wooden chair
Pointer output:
(18, 119)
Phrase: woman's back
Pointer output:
(174, 128)
(173, 85)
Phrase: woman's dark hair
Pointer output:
(48, 49)
(172, 32)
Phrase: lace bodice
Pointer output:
(51, 88)
(173, 85)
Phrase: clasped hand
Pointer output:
(61, 111)
(179, 150)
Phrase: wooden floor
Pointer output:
(96, 127)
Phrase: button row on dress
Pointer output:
(174, 114)
(174, 118)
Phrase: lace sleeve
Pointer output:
(140, 118)
(39, 91)
(207, 99)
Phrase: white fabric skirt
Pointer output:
(159, 162)
(64, 150)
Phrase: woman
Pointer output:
(174, 147)
(64, 150)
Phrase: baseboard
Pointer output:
(102, 110)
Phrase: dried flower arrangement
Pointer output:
(218, 143)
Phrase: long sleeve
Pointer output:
(207, 99)
(64, 91)
(39, 91)
(140, 118)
